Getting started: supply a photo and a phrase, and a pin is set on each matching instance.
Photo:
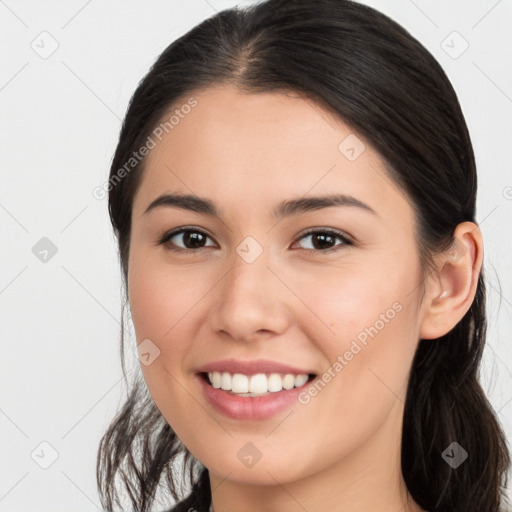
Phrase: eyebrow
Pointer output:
(284, 209)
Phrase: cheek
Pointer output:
(368, 359)
(366, 326)
(161, 297)
(165, 302)
(161, 303)
(354, 302)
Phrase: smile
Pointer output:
(256, 385)
(255, 404)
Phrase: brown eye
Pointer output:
(189, 238)
(325, 240)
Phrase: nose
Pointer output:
(251, 302)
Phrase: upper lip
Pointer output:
(251, 367)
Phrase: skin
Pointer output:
(247, 153)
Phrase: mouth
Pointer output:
(255, 385)
(252, 390)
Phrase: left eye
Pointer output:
(322, 240)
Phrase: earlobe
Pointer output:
(453, 287)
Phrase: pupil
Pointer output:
(192, 238)
(322, 237)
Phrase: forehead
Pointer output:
(233, 124)
(262, 147)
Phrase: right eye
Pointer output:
(191, 238)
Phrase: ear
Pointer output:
(452, 287)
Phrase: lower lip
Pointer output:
(250, 407)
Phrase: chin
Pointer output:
(267, 470)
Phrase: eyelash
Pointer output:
(164, 240)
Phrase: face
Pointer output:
(327, 290)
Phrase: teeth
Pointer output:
(239, 383)
(215, 379)
(256, 385)
(301, 380)
(288, 381)
(274, 382)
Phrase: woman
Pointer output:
(293, 194)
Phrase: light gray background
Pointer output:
(60, 118)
